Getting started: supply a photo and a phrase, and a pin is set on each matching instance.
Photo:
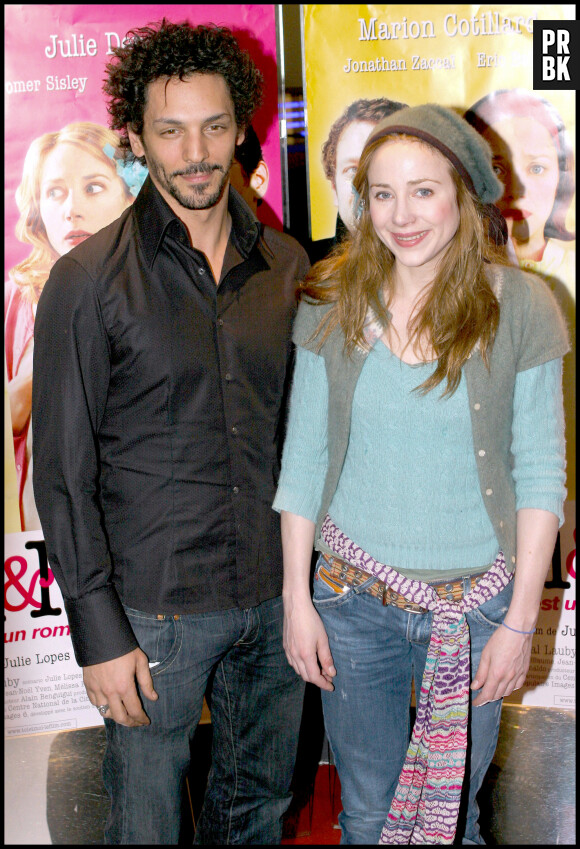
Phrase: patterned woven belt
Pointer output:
(342, 575)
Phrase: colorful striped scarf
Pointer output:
(426, 802)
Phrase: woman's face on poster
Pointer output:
(525, 159)
(79, 195)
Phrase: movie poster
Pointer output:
(56, 128)
(43, 686)
(551, 678)
(361, 63)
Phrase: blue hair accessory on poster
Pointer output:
(132, 173)
(359, 203)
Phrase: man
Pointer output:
(342, 149)
(162, 363)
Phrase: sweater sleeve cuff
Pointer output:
(99, 627)
(295, 503)
(551, 504)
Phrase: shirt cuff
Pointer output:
(99, 627)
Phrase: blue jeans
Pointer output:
(377, 651)
(256, 706)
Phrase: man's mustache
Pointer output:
(199, 168)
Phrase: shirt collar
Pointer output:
(153, 216)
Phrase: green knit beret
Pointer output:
(454, 138)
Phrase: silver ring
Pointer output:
(102, 709)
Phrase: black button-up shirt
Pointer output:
(158, 415)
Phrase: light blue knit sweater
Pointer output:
(409, 491)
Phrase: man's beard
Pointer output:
(196, 197)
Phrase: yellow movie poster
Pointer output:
(411, 54)
(362, 63)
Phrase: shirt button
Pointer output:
(481, 452)
(477, 406)
(234, 430)
(220, 322)
(235, 489)
(489, 491)
(228, 375)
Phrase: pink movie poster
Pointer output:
(55, 57)
(54, 76)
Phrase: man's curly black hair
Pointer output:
(167, 49)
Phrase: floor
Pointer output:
(54, 793)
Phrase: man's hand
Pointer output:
(113, 683)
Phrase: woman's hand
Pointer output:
(306, 643)
(503, 665)
(506, 656)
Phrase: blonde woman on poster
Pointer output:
(72, 186)
(532, 157)
(424, 457)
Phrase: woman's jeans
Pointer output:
(256, 706)
(377, 651)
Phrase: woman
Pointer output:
(424, 456)
(533, 159)
(72, 186)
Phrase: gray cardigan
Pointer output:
(531, 331)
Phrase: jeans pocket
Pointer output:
(160, 639)
(325, 596)
(492, 612)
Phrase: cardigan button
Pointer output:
(489, 491)
(477, 406)
(513, 559)
(481, 452)
(501, 524)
